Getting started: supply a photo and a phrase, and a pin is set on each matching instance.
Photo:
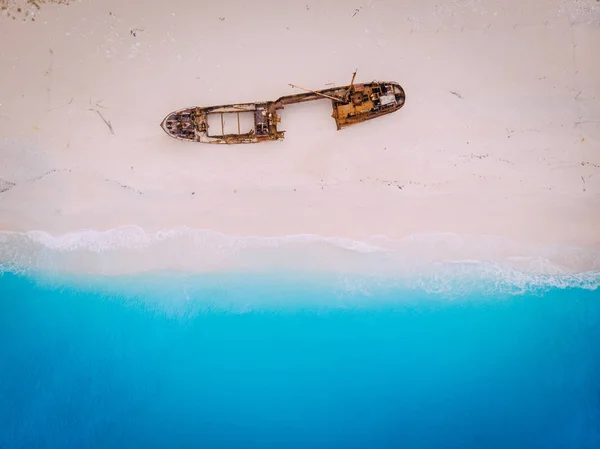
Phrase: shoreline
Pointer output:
(131, 249)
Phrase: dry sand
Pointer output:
(500, 134)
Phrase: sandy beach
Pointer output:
(499, 136)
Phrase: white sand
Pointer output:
(500, 134)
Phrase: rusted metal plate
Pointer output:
(352, 104)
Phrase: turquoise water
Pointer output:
(240, 361)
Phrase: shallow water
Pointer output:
(294, 360)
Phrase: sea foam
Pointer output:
(432, 262)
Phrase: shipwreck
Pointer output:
(257, 122)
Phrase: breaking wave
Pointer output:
(434, 263)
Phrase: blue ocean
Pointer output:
(284, 358)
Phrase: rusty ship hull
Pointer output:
(257, 122)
